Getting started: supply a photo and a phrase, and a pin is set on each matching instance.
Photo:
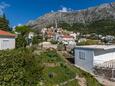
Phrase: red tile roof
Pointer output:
(4, 33)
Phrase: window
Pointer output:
(82, 55)
(5, 44)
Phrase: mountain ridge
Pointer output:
(85, 16)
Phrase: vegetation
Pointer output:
(23, 30)
(53, 42)
(4, 23)
(55, 71)
(104, 27)
(90, 80)
(72, 83)
(89, 42)
(21, 41)
(20, 67)
(37, 39)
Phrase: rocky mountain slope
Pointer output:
(101, 12)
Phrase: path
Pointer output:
(81, 81)
(64, 83)
(105, 82)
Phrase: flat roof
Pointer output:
(105, 47)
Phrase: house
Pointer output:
(56, 36)
(30, 37)
(88, 57)
(7, 40)
(66, 39)
(74, 35)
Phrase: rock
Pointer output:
(104, 11)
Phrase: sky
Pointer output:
(21, 11)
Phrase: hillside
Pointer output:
(86, 16)
(23, 67)
(104, 27)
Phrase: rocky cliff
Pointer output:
(85, 16)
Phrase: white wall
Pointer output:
(86, 64)
(31, 34)
(7, 43)
(93, 57)
(102, 56)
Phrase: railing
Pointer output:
(108, 64)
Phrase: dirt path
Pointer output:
(64, 83)
(105, 82)
(81, 81)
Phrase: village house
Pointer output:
(57, 36)
(7, 40)
(66, 39)
(88, 57)
(74, 35)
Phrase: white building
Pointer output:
(7, 40)
(87, 57)
(66, 39)
(31, 35)
(73, 35)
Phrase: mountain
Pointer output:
(86, 16)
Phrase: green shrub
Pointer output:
(89, 42)
(20, 67)
(53, 42)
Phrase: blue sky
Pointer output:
(21, 11)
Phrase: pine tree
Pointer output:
(4, 23)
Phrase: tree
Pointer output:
(22, 39)
(37, 39)
(65, 25)
(23, 30)
(4, 23)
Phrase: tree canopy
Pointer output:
(23, 30)
(4, 23)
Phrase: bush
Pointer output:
(37, 39)
(20, 41)
(20, 68)
(53, 42)
(89, 42)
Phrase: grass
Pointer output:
(57, 74)
(62, 72)
(72, 83)
(60, 75)
(90, 80)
